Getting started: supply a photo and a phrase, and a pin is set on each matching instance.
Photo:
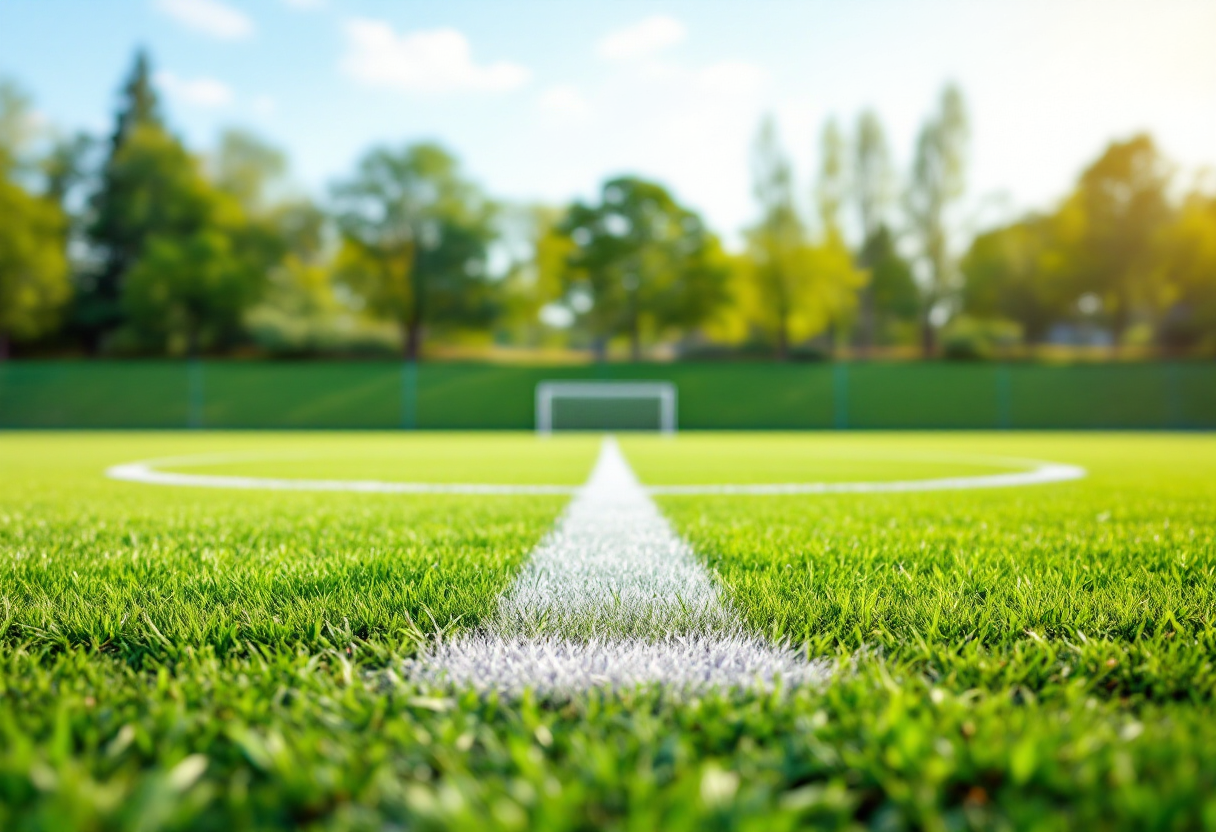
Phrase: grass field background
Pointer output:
(1024, 658)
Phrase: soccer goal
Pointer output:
(605, 405)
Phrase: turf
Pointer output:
(1037, 658)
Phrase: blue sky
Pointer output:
(543, 99)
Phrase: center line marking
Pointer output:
(613, 598)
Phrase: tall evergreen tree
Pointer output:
(139, 105)
(117, 230)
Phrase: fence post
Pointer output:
(1004, 398)
(840, 394)
(1173, 396)
(409, 395)
(196, 393)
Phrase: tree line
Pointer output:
(133, 245)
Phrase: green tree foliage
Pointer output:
(891, 294)
(641, 264)
(248, 169)
(538, 252)
(190, 287)
(832, 186)
(791, 288)
(1013, 272)
(67, 168)
(1109, 230)
(129, 203)
(168, 241)
(937, 182)
(161, 212)
(33, 265)
(415, 235)
(872, 192)
(16, 128)
(873, 180)
(1187, 270)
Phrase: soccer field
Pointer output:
(854, 631)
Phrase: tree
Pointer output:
(1116, 213)
(248, 169)
(873, 178)
(640, 264)
(1012, 273)
(157, 193)
(938, 181)
(1187, 270)
(891, 293)
(33, 266)
(33, 263)
(16, 128)
(832, 186)
(872, 189)
(68, 168)
(795, 288)
(194, 287)
(533, 285)
(136, 198)
(415, 235)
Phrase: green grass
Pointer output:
(1036, 658)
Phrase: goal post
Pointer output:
(599, 404)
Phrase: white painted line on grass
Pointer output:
(1046, 472)
(143, 472)
(562, 666)
(612, 598)
(147, 473)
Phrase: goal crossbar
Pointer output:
(548, 391)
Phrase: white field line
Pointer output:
(147, 473)
(612, 598)
(144, 472)
(1045, 472)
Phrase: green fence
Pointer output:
(150, 394)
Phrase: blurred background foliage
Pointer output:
(136, 245)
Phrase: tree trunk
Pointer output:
(1119, 323)
(599, 347)
(412, 340)
(3, 345)
(783, 341)
(866, 327)
(928, 337)
(635, 341)
(192, 340)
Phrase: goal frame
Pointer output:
(664, 391)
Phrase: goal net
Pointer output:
(605, 406)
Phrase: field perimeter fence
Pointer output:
(388, 395)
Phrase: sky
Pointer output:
(544, 99)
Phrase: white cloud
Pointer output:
(430, 61)
(211, 17)
(564, 100)
(200, 92)
(646, 37)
